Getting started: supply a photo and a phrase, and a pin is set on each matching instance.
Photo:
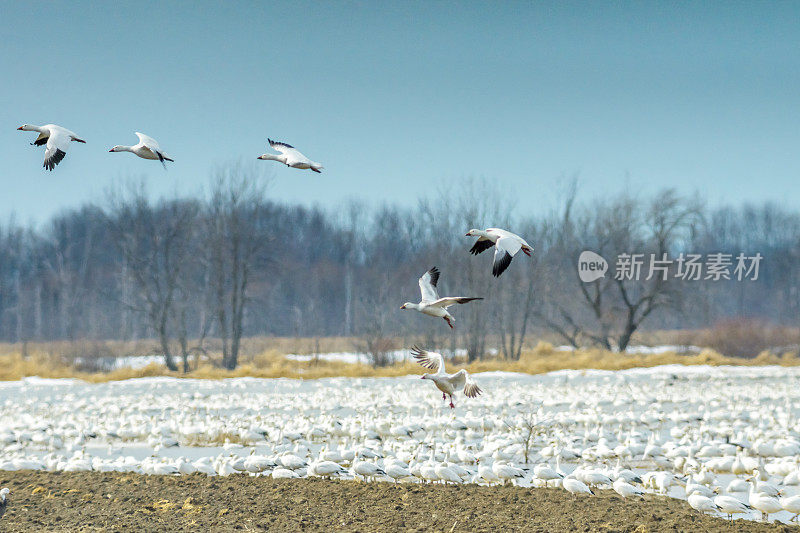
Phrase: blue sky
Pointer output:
(398, 98)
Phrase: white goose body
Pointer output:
(4, 492)
(397, 472)
(447, 383)
(575, 486)
(431, 304)
(146, 148)
(764, 502)
(446, 474)
(625, 489)
(326, 468)
(731, 506)
(791, 504)
(702, 503)
(57, 140)
(506, 245)
(291, 157)
(486, 473)
(367, 470)
(507, 472)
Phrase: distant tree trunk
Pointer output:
(37, 312)
(513, 325)
(163, 339)
(235, 240)
(20, 335)
(155, 243)
(348, 298)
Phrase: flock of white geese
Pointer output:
(58, 139)
(725, 439)
(506, 244)
(581, 448)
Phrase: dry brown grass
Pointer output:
(271, 363)
(745, 337)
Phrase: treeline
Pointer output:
(236, 263)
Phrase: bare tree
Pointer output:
(610, 309)
(530, 426)
(514, 299)
(237, 234)
(154, 242)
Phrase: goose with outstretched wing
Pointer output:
(291, 157)
(449, 384)
(506, 245)
(146, 148)
(431, 304)
(57, 140)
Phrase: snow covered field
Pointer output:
(140, 361)
(662, 423)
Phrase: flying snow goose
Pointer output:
(431, 304)
(447, 383)
(506, 245)
(57, 140)
(147, 148)
(291, 157)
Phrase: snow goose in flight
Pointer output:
(506, 245)
(447, 383)
(57, 140)
(431, 304)
(291, 157)
(147, 148)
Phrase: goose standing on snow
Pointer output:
(147, 148)
(447, 383)
(291, 157)
(506, 245)
(791, 504)
(57, 140)
(431, 304)
(731, 506)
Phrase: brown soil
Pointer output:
(94, 501)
